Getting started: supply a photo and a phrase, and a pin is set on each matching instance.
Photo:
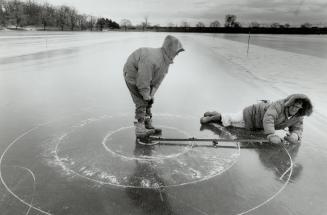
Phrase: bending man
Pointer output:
(143, 72)
(284, 113)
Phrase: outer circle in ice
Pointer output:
(112, 156)
(145, 174)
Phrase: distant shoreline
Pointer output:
(258, 30)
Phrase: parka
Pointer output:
(274, 115)
(147, 67)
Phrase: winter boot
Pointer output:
(141, 131)
(211, 113)
(148, 125)
(215, 118)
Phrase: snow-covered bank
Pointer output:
(34, 42)
(286, 71)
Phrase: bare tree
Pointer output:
(306, 25)
(254, 25)
(47, 15)
(32, 12)
(82, 21)
(3, 13)
(125, 23)
(146, 23)
(200, 25)
(215, 24)
(72, 18)
(230, 20)
(170, 25)
(275, 25)
(2, 6)
(62, 16)
(156, 27)
(16, 11)
(91, 20)
(185, 24)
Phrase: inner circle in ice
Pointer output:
(122, 143)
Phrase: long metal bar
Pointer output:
(205, 146)
(208, 140)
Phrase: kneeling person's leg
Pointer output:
(233, 119)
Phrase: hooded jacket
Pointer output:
(147, 67)
(271, 116)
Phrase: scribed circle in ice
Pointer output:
(122, 143)
(54, 141)
(113, 157)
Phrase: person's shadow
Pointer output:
(272, 157)
(277, 160)
(147, 190)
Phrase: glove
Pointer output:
(292, 138)
(147, 98)
(274, 139)
(150, 102)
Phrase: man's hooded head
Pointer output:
(172, 46)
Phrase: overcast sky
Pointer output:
(164, 11)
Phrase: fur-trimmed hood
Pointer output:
(307, 107)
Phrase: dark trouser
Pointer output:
(142, 107)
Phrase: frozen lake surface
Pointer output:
(66, 134)
(314, 45)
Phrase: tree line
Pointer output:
(48, 17)
(30, 13)
(230, 22)
(231, 25)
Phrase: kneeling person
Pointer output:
(284, 113)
